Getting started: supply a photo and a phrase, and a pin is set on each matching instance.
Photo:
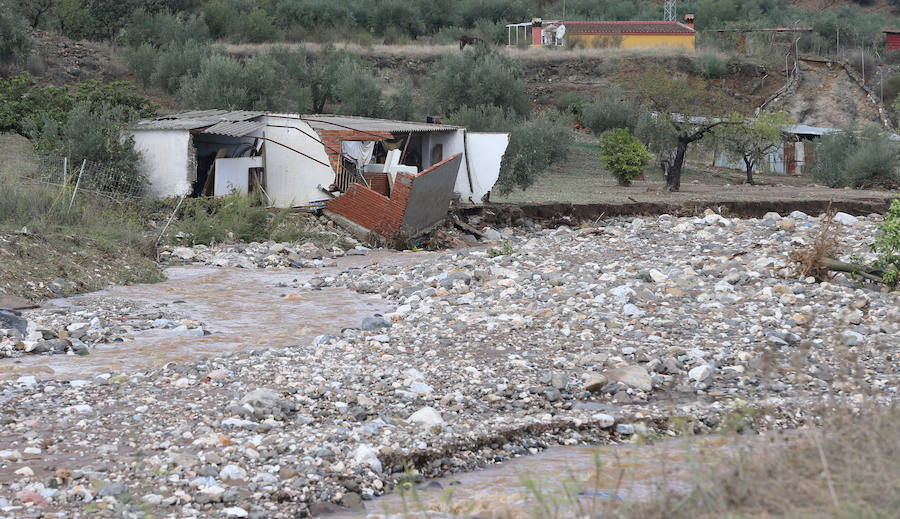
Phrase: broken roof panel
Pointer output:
(321, 122)
(651, 27)
(235, 128)
(194, 120)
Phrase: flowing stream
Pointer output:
(243, 309)
(564, 481)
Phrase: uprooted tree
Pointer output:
(751, 140)
(683, 114)
(817, 259)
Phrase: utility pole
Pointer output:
(669, 11)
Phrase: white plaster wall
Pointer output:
(165, 161)
(485, 152)
(291, 178)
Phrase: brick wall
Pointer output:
(377, 212)
(333, 138)
(378, 182)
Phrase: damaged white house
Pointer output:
(305, 161)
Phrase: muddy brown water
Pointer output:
(243, 309)
(567, 481)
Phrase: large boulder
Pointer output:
(13, 319)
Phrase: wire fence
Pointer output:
(84, 176)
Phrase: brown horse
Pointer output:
(468, 40)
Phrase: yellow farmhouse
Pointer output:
(623, 35)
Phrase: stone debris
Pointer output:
(91, 320)
(488, 356)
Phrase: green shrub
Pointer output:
(611, 111)
(222, 17)
(623, 155)
(177, 61)
(892, 87)
(400, 105)
(158, 29)
(142, 61)
(573, 103)
(533, 144)
(21, 101)
(357, 92)
(887, 245)
(212, 219)
(15, 42)
(92, 132)
(477, 77)
(855, 159)
(258, 27)
(221, 83)
(712, 66)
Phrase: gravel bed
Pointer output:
(564, 335)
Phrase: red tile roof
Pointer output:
(654, 27)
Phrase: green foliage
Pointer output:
(887, 245)
(21, 101)
(400, 105)
(14, 42)
(613, 110)
(712, 66)
(357, 91)
(477, 77)
(892, 88)
(227, 84)
(258, 27)
(75, 19)
(158, 29)
(573, 103)
(176, 61)
(533, 144)
(208, 220)
(93, 132)
(855, 159)
(623, 155)
(750, 140)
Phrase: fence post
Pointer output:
(77, 182)
(65, 171)
(177, 207)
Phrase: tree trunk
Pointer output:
(673, 175)
(749, 165)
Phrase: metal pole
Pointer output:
(65, 171)
(177, 207)
(77, 182)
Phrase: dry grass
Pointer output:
(849, 467)
(810, 261)
(438, 51)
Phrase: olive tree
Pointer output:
(683, 114)
(751, 140)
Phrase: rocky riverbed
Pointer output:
(563, 335)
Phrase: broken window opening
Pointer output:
(245, 174)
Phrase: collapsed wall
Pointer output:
(417, 203)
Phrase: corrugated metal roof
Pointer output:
(194, 120)
(367, 124)
(652, 27)
(235, 128)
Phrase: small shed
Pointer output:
(892, 39)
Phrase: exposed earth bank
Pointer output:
(555, 335)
